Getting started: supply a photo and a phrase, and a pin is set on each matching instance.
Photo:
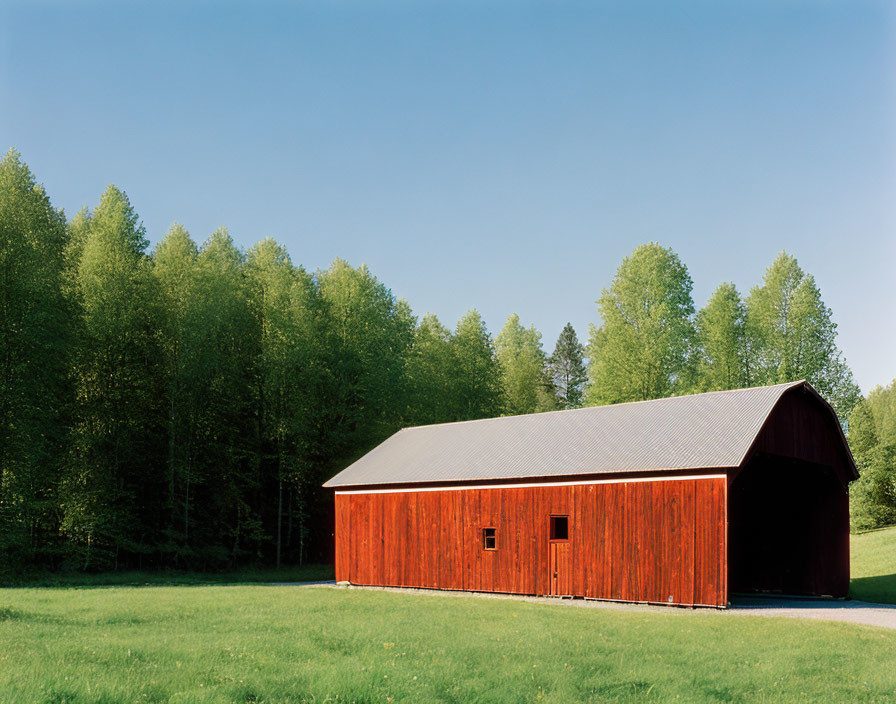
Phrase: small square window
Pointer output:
(559, 527)
(489, 541)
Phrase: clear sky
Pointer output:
(497, 155)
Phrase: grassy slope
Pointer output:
(287, 644)
(874, 566)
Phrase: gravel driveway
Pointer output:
(882, 615)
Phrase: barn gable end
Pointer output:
(802, 425)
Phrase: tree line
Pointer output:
(180, 407)
(872, 438)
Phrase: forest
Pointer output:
(180, 407)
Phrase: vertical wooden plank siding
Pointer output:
(343, 540)
(658, 542)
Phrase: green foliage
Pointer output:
(458, 376)
(208, 361)
(722, 361)
(566, 369)
(863, 433)
(523, 374)
(643, 349)
(873, 496)
(431, 372)
(367, 334)
(284, 644)
(73, 249)
(283, 300)
(223, 390)
(182, 409)
(882, 404)
(872, 439)
(479, 391)
(34, 347)
(111, 502)
(175, 268)
(792, 336)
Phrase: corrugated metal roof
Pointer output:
(710, 430)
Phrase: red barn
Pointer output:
(675, 501)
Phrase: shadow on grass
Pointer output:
(880, 588)
(304, 573)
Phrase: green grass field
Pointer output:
(306, 573)
(288, 644)
(199, 642)
(874, 566)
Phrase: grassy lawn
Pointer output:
(305, 573)
(287, 644)
(874, 566)
(187, 637)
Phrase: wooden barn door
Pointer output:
(561, 569)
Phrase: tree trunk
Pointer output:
(236, 533)
(171, 460)
(187, 507)
(290, 502)
(302, 539)
(279, 516)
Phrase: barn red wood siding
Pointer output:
(648, 541)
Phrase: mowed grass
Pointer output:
(201, 642)
(248, 575)
(319, 644)
(873, 557)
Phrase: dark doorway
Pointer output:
(788, 529)
(561, 573)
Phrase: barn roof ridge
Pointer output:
(710, 430)
(606, 405)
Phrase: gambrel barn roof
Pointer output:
(703, 431)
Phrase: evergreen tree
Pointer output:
(643, 349)
(567, 369)
(722, 342)
(479, 392)
(792, 336)
(34, 347)
(523, 375)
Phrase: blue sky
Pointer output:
(503, 156)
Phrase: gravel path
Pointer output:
(883, 615)
(862, 612)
